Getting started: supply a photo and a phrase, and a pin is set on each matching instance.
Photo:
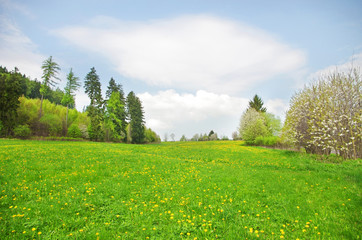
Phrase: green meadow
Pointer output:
(174, 190)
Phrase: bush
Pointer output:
(22, 131)
(74, 131)
(52, 123)
(151, 136)
(271, 141)
(326, 116)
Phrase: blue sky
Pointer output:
(194, 64)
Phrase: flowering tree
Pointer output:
(255, 124)
(326, 116)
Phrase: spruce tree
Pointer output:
(257, 104)
(136, 119)
(92, 87)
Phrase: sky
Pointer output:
(195, 64)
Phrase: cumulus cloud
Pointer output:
(169, 111)
(17, 50)
(188, 52)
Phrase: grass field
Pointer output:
(191, 190)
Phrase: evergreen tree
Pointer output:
(114, 118)
(10, 91)
(50, 71)
(114, 87)
(92, 87)
(257, 104)
(136, 119)
(69, 92)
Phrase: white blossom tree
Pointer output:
(326, 116)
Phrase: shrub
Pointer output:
(74, 131)
(151, 136)
(270, 141)
(22, 131)
(52, 123)
(326, 116)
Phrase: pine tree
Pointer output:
(136, 119)
(50, 71)
(69, 92)
(257, 104)
(92, 87)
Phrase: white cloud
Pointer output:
(169, 111)
(189, 52)
(82, 100)
(278, 107)
(17, 50)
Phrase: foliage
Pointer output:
(151, 136)
(74, 131)
(50, 78)
(92, 87)
(53, 124)
(272, 123)
(205, 190)
(22, 131)
(114, 87)
(136, 119)
(115, 118)
(252, 125)
(257, 104)
(70, 89)
(28, 114)
(50, 71)
(10, 91)
(326, 116)
(269, 141)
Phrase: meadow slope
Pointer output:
(182, 190)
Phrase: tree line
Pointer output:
(33, 108)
